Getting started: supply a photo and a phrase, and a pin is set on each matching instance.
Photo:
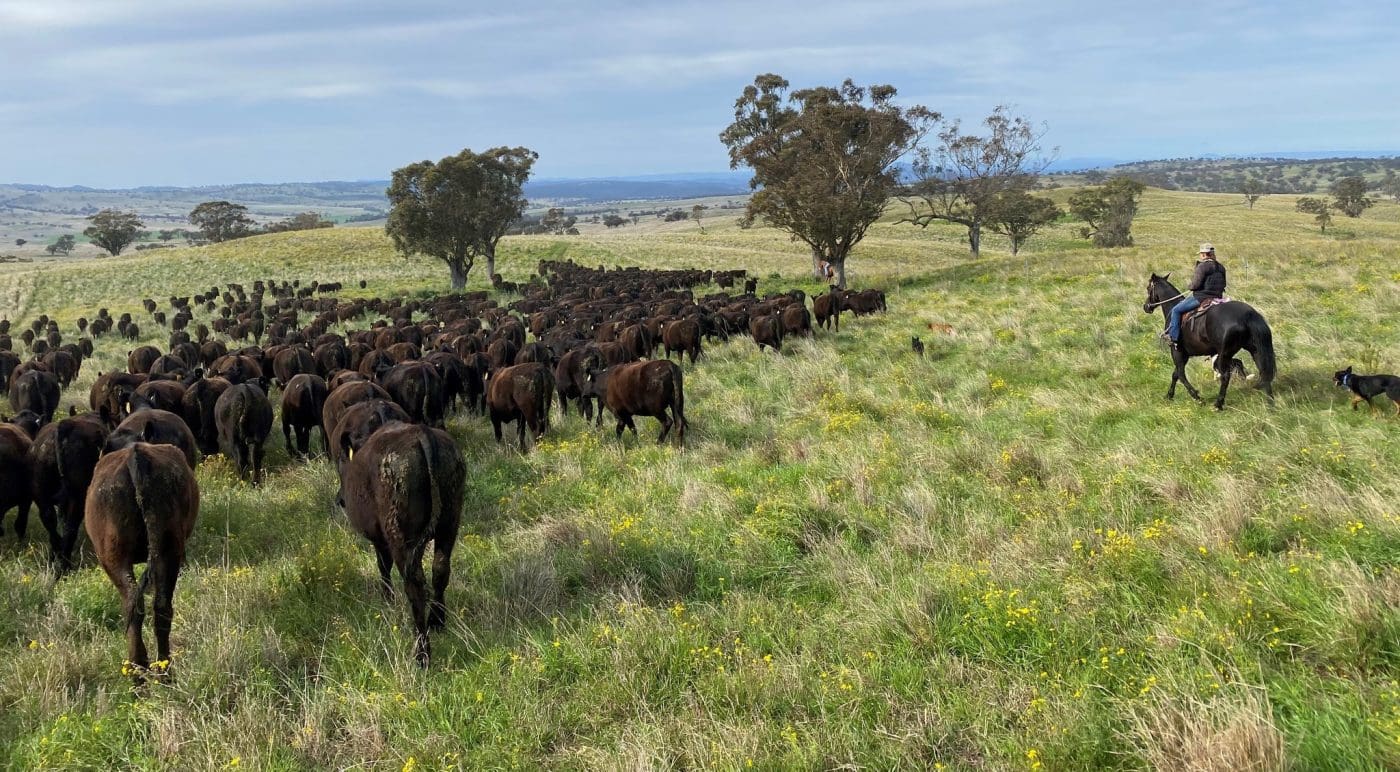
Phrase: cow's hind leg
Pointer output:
(163, 604)
(22, 518)
(415, 587)
(442, 572)
(134, 614)
(385, 560)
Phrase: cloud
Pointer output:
(289, 88)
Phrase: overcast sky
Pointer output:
(119, 93)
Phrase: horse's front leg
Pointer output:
(1180, 359)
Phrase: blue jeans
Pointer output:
(1180, 309)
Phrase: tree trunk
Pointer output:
(491, 263)
(841, 274)
(459, 275)
(974, 238)
(1015, 246)
(817, 263)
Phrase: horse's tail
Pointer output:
(1263, 339)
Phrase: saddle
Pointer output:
(1205, 306)
(1196, 317)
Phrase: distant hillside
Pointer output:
(1224, 175)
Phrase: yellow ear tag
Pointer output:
(351, 457)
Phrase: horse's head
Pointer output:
(1159, 290)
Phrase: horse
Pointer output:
(1228, 328)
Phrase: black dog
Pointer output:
(1364, 387)
(918, 347)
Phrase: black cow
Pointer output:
(303, 398)
(61, 461)
(244, 417)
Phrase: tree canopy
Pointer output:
(963, 178)
(305, 221)
(1018, 215)
(1349, 196)
(1319, 208)
(1252, 189)
(62, 246)
(114, 230)
(221, 221)
(823, 159)
(460, 207)
(1109, 211)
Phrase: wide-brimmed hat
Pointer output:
(1207, 247)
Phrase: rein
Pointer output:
(1177, 296)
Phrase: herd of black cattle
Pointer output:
(378, 395)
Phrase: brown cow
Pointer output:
(644, 388)
(154, 427)
(521, 393)
(344, 396)
(140, 359)
(161, 395)
(796, 320)
(767, 331)
(403, 488)
(682, 336)
(141, 508)
(359, 421)
(827, 309)
(290, 362)
(15, 475)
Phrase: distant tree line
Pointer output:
(1269, 175)
(220, 221)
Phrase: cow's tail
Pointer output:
(678, 404)
(429, 448)
(1263, 339)
(138, 468)
(423, 396)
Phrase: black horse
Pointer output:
(1229, 328)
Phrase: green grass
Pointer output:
(1011, 554)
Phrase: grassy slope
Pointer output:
(1011, 554)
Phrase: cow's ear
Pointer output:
(1168, 276)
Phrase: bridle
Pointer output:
(1177, 296)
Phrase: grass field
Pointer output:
(1012, 554)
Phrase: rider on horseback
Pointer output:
(1208, 282)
